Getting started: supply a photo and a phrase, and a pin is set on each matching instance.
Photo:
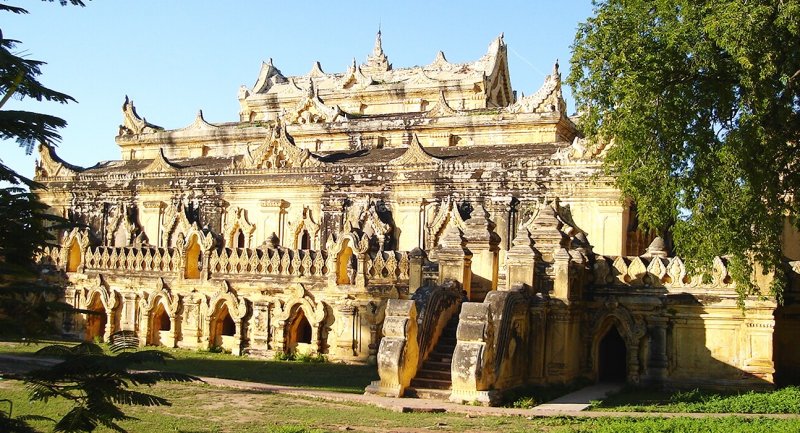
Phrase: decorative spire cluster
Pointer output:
(377, 61)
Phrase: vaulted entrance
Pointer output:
(612, 356)
(300, 333)
(160, 326)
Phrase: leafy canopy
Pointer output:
(702, 102)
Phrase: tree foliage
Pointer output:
(96, 383)
(19, 78)
(702, 102)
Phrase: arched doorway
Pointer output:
(160, 325)
(300, 334)
(96, 321)
(192, 270)
(612, 357)
(305, 240)
(223, 329)
(73, 257)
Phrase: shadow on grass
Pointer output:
(325, 375)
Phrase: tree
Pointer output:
(25, 299)
(18, 78)
(701, 100)
(96, 383)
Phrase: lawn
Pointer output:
(785, 400)
(203, 408)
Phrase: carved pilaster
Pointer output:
(333, 211)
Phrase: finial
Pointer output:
(378, 50)
(555, 68)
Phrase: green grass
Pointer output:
(786, 400)
(318, 375)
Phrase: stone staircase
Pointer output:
(433, 378)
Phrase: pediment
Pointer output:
(161, 164)
(441, 108)
(279, 151)
(311, 109)
(415, 155)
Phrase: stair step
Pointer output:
(428, 393)
(444, 349)
(431, 383)
(431, 364)
(434, 374)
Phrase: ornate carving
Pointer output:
(377, 61)
(547, 99)
(237, 220)
(279, 152)
(132, 124)
(311, 109)
(447, 214)
(268, 76)
(50, 165)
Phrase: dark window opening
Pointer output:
(228, 327)
(240, 239)
(305, 241)
(164, 324)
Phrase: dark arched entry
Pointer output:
(612, 358)
(300, 331)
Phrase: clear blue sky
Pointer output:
(174, 57)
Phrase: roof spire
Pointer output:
(377, 61)
(378, 50)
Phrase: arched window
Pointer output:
(305, 240)
(192, 270)
(73, 257)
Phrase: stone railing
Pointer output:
(144, 258)
(411, 330)
(49, 256)
(483, 363)
(271, 262)
(387, 265)
(656, 271)
(398, 353)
